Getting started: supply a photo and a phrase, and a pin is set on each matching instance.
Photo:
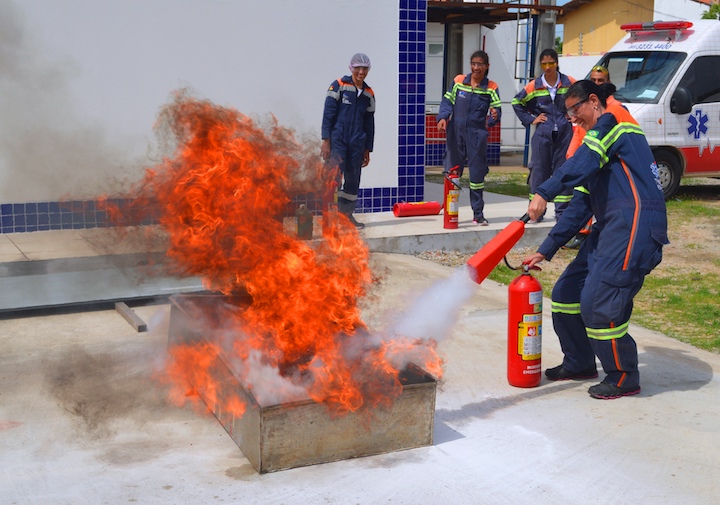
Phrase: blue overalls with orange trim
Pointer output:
(550, 141)
(466, 108)
(616, 180)
(349, 123)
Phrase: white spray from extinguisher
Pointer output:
(434, 312)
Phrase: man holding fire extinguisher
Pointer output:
(593, 298)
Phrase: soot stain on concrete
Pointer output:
(99, 390)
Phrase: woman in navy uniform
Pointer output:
(473, 103)
(617, 181)
(542, 103)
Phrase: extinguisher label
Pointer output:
(452, 202)
(536, 298)
(530, 340)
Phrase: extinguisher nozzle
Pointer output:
(487, 258)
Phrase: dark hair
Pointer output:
(583, 89)
(608, 88)
(484, 56)
(548, 52)
(480, 54)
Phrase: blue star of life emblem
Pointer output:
(698, 124)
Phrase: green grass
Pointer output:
(511, 183)
(681, 303)
(683, 306)
(692, 208)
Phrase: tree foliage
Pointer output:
(713, 13)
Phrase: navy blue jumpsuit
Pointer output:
(349, 123)
(616, 180)
(466, 110)
(551, 139)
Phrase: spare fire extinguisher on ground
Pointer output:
(452, 198)
(525, 298)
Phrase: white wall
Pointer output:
(82, 81)
(434, 64)
(671, 10)
(578, 66)
(500, 46)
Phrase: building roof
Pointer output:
(576, 4)
(488, 14)
(573, 5)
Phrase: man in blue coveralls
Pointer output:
(348, 131)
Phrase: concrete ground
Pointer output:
(82, 421)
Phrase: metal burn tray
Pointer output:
(302, 433)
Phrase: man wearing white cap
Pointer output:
(348, 130)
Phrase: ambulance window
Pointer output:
(642, 76)
(702, 79)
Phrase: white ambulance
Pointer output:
(668, 76)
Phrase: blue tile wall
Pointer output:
(434, 154)
(69, 215)
(40, 216)
(411, 118)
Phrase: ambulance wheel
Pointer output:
(669, 171)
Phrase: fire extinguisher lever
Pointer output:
(524, 266)
(446, 174)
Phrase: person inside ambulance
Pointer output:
(593, 298)
(542, 103)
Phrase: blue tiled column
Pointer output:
(411, 118)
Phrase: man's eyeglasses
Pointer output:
(548, 64)
(600, 68)
(572, 110)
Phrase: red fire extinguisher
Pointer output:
(525, 298)
(452, 198)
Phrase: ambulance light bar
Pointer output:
(656, 26)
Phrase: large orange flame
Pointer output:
(221, 198)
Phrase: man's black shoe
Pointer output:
(357, 223)
(607, 391)
(559, 373)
